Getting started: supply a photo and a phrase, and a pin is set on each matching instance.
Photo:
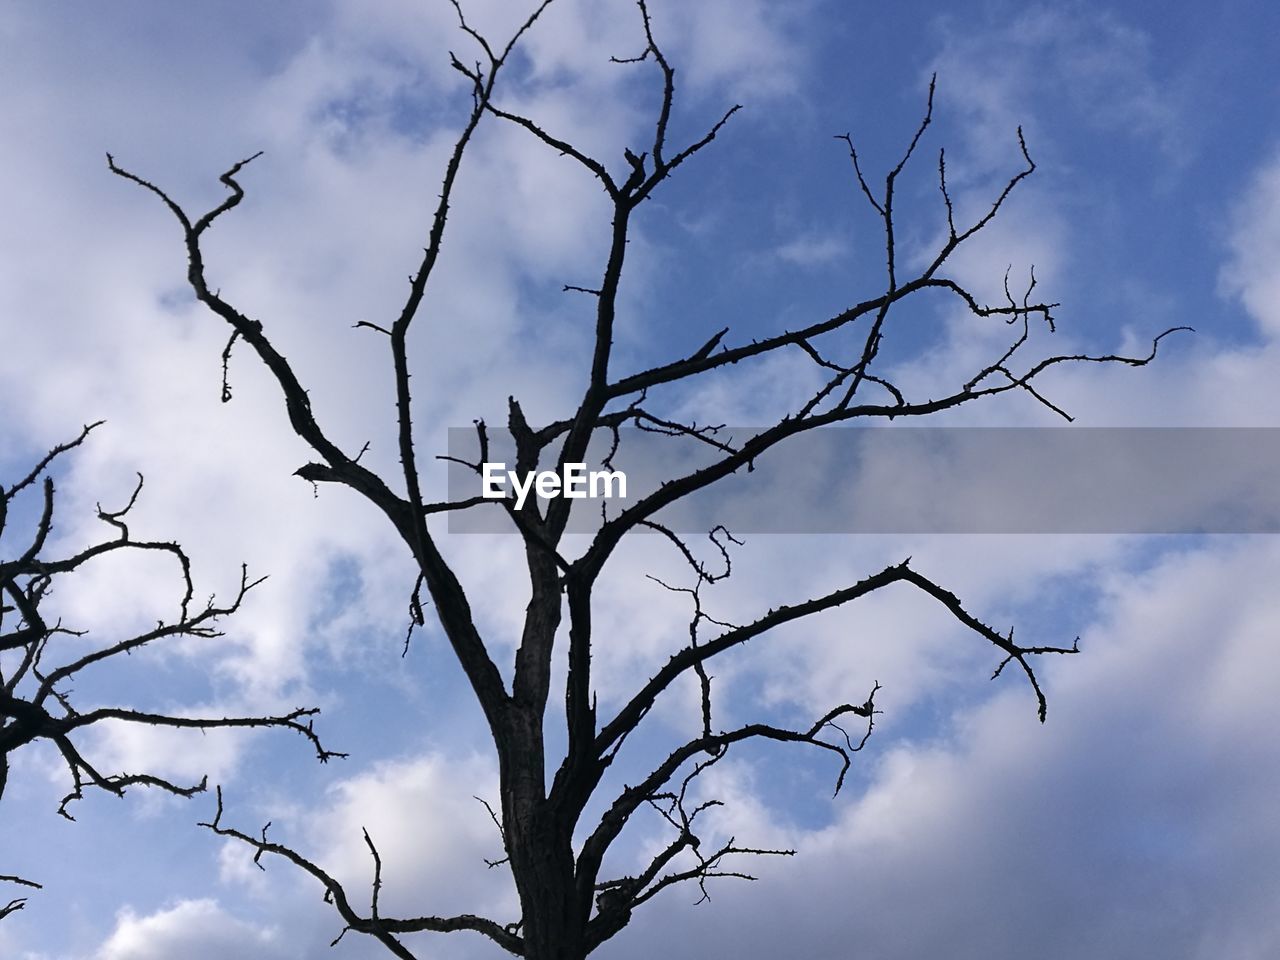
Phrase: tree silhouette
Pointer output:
(36, 702)
(569, 906)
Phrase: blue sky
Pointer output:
(1138, 821)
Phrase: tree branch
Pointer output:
(385, 930)
(35, 702)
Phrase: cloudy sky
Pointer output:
(1139, 821)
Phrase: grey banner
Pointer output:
(929, 480)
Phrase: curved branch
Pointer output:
(384, 929)
(686, 659)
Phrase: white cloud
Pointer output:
(749, 47)
(1251, 273)
(431, 832)
(1110, 829)
(1200, 379)
(193, 929)
(747, 50)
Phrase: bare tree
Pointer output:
(36, 702)
(569, 906)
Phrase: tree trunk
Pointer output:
(554, 927)
(540, 846)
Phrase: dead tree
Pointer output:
(569, 907)
(36, 702)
